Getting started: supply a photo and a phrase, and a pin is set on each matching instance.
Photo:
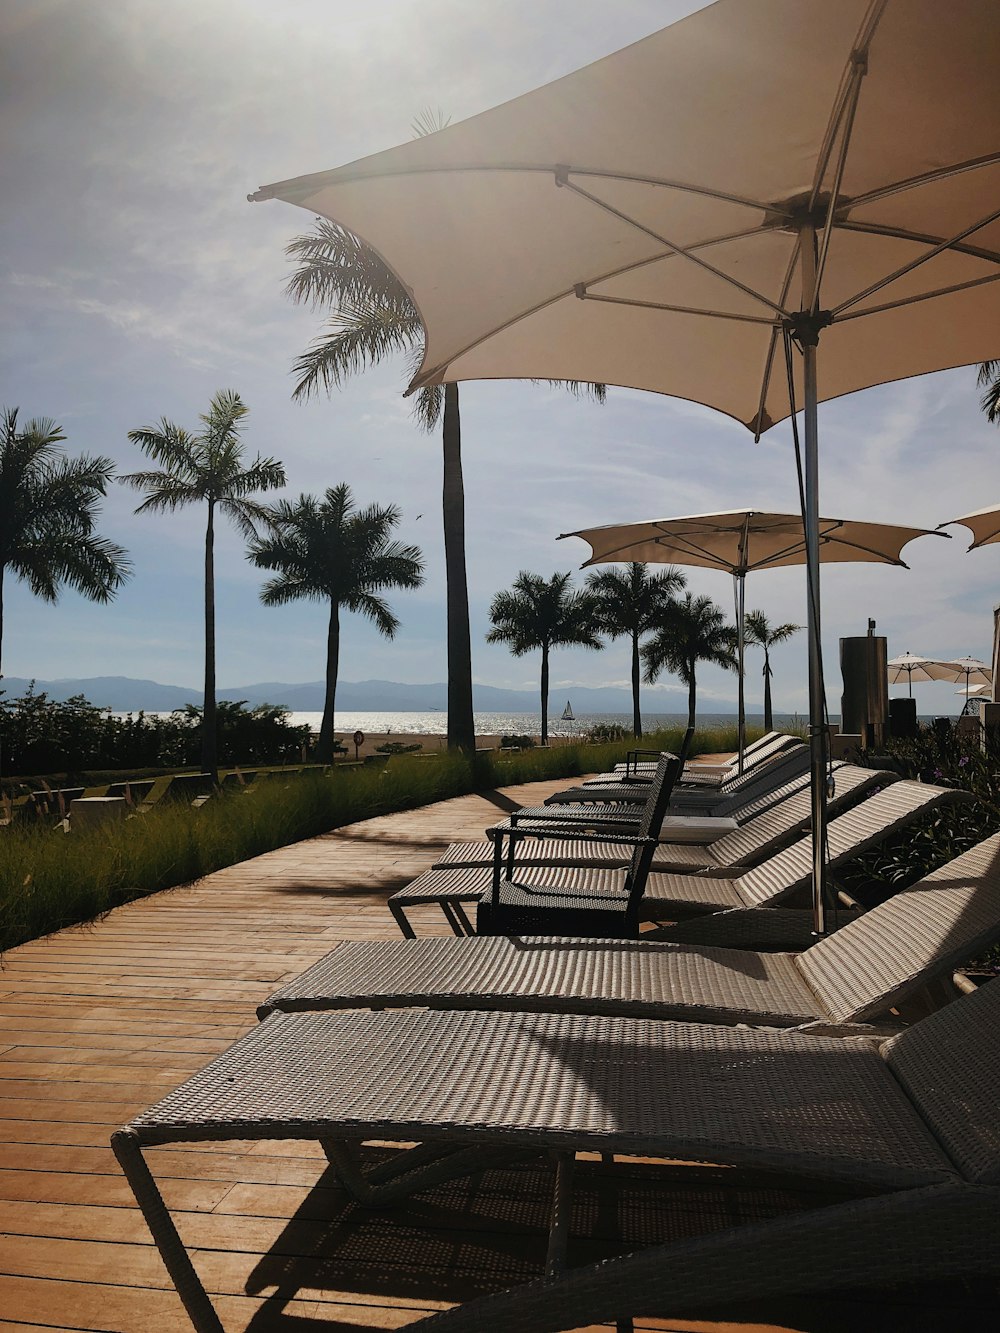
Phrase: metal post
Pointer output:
(817, 712)
(742, 724)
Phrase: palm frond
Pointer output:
(360, 336)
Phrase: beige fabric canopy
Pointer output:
(597, 228)
(742, 540)
(984, 524)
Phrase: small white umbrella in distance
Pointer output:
(908, 665)
(967, 669)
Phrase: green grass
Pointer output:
(49, 879)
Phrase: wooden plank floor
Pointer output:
(97, 1021)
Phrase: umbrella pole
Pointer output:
(741, 723)
(817, 712)
(808, 337)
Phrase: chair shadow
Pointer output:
(488, 1232)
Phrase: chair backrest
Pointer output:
(949, 1066)
(793, 814)
(888, 953)
(685, 749)
(649, 823)
(848, 836)
(764, 761)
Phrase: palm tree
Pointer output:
(691, 630)
(546, 614)
(630, 601)
(757, 629)
(207, 467)
(989, 379)
(48, 507)
(374, 317)
(331, 552)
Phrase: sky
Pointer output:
(137, 282)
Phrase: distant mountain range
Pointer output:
(125, 694)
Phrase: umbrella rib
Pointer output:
(917, 263)
(584, 295)
(920, 296)
(683, 251)
(772, 345)
(918, 237)
(850, 76)
(925, 178)
(859, 68)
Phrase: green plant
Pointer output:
(517, 742)
(601, 732)
(396, 747)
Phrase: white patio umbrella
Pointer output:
(743, 540)
(697, 213)
(984, 524)
(909, 665)
(968, 670)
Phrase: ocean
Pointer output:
(435, 722)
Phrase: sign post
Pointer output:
(359, 740)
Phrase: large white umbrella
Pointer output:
(740, 541)
(696, 214)
(908, 665)
(968, 671)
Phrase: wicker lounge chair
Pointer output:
(706, 785)
(639, 768)
(669, 896)
(853, 976)
(743, 847)
(606, 908)
(909, 1122)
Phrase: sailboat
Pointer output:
(567, 713)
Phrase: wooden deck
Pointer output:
(98, 1021)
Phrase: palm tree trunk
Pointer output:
(636, 717)
(545, 694)
(324, 746)
(461, 726)
(1, 621)
(768, 719)
(691, 696)
(209, 754)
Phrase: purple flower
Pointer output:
(963, 761)
(938, 773)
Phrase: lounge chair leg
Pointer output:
(562, 1204)
(161, 1227)
(455, 917)
(399, 913)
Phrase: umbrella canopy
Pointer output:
(639, 221)
(979, 692)
(984, 524)
(908, 665)
(968, 670)
(697, 213)
(742, 540)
